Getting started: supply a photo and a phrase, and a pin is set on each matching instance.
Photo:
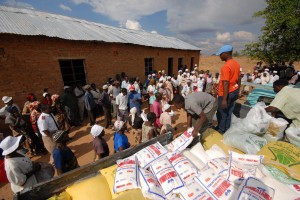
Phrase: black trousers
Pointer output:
(107, 116)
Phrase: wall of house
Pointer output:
(30, 63)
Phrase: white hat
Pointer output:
(149, 75)
(195, 65)
(193, 72)
(179, 71)
(255, 70)
(153, 74)
(186, 70)
(96, 130)
(45, 94)
(275, 72)
(66, 87)
(105, 87)
(6, 99)
(201, 75)
(166, 107)
(118, 125)
(298, 73)
(86, 87)
(184, 73)
(169, 77)
(10, 144)
(163, 71)
(189, 81)
(267, 69)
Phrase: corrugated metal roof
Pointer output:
(31, 22)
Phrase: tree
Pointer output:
(280, 39)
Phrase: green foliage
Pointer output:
(280, 39)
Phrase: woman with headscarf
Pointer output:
(157, 109)
(151, 90)
(26, 109)
(169, 88)
(64, 158)
(100, 145)
(165, 119)
(148, 129)
(35, 112)
(209, 84)
(136, 123)
(21, 172)
(120, 139)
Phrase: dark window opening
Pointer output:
(73, 71)
(180, 63)
(192, 64)
(148, 66)
(170, 66)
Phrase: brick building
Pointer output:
(41, 50)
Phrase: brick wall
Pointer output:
(30, 63)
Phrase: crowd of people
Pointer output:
(42, 126)
(268, 74)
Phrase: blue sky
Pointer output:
(208, 24)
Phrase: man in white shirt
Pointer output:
(274, 77)
(265, 79)
(125, 83)
(137, 85)
(179, 76)
(122, 103)
(47, 126)
(187, 89)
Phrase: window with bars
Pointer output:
(73, 71)
(148, 66)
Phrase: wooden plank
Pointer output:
(47, 189)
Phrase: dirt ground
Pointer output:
(81, 144)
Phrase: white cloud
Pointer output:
(205, 23)
(223, 37)
(64, 7)
(14, 3)
(132, 24)
(244, 35)
(154, 31)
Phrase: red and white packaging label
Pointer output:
(184, 168)
(166, 176)
(242, 166)
(126, 175)
(254, 189)
(181, 142)
(150, 154)
(193, 191)
(216, 186)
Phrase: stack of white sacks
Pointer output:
(174, 172)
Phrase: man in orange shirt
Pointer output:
(228, 88)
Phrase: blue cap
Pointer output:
(225, 48)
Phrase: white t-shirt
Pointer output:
(137, 87)
(46, 123)
(122, 101)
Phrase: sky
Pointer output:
(207, 24)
